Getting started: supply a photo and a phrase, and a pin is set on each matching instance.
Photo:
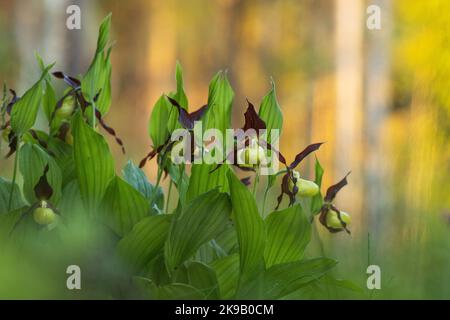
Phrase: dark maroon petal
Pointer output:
(246, 181)
(71, 81)
(108, 129)
(302, 155)
(63, 131)
(12, 101)
(43, 190)
(13, 141)
(198, 114)
(323, 219)
(268, 146)
(252, 119)
(334, 189)
(183, 115)
(6, 125)
(285, 190)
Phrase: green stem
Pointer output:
(16, 161)
(93, 114)
(255, 184)
(168, 196)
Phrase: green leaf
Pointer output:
(283, 279)
(174, 291)
(93, 162)
(5, 190)
(103, 33)
(317, 200)
(137, 178)
(157, 126)
(249, 226)
(203, 219)
(24, 112)
(32, 162)
(180, 97)
(63, 155)
(145, 241)
(201, 180)
(227, 273)
(270, 112)
(288, 234)
(203, 278)
(49, 94)
(123, 206)
(220, 99)
(71, 203)
(98, 77)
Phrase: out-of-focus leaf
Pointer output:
(71, 203)
(283, 279)
(317, 201)
(288, 234)
(227, 273)
(137, 178)
(5, 191)
(32, 162)
(203, 219)
(24, 111)
(123, 206)
(93, 162)
(180, 97)
(144, 241)
(249, 226)
(270, 112)
(159, 119)
(203, 278)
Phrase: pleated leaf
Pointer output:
(123, 206)
(203, 278)
(32, 162)
(283, 279)
(5, 191)
(270, 112)
(145, 241)
(24, 111)
(157, 127)
(93, 162)
(227, 273)
(202, 180)
(288, 234)
(249, 226)
(203, 219)
(180, 97)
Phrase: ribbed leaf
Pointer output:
(227, 272)
(174, 291)
(123, 206)
(288, 233)
(202, 180)
(49, 94)
(180, 97)
(249, 225)
(93, 162)
(32, 162)
(157, 126)
(144, 242)
(138, 180)
(283, 279)
(98, 77)
(270, 112)
(203, 278)
(24, 111)
(203, 219)
(5, 190)
(63, 155)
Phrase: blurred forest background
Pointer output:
(379, 98)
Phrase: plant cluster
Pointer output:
(216, 243)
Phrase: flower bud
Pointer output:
(333, 219)
(43, 215)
